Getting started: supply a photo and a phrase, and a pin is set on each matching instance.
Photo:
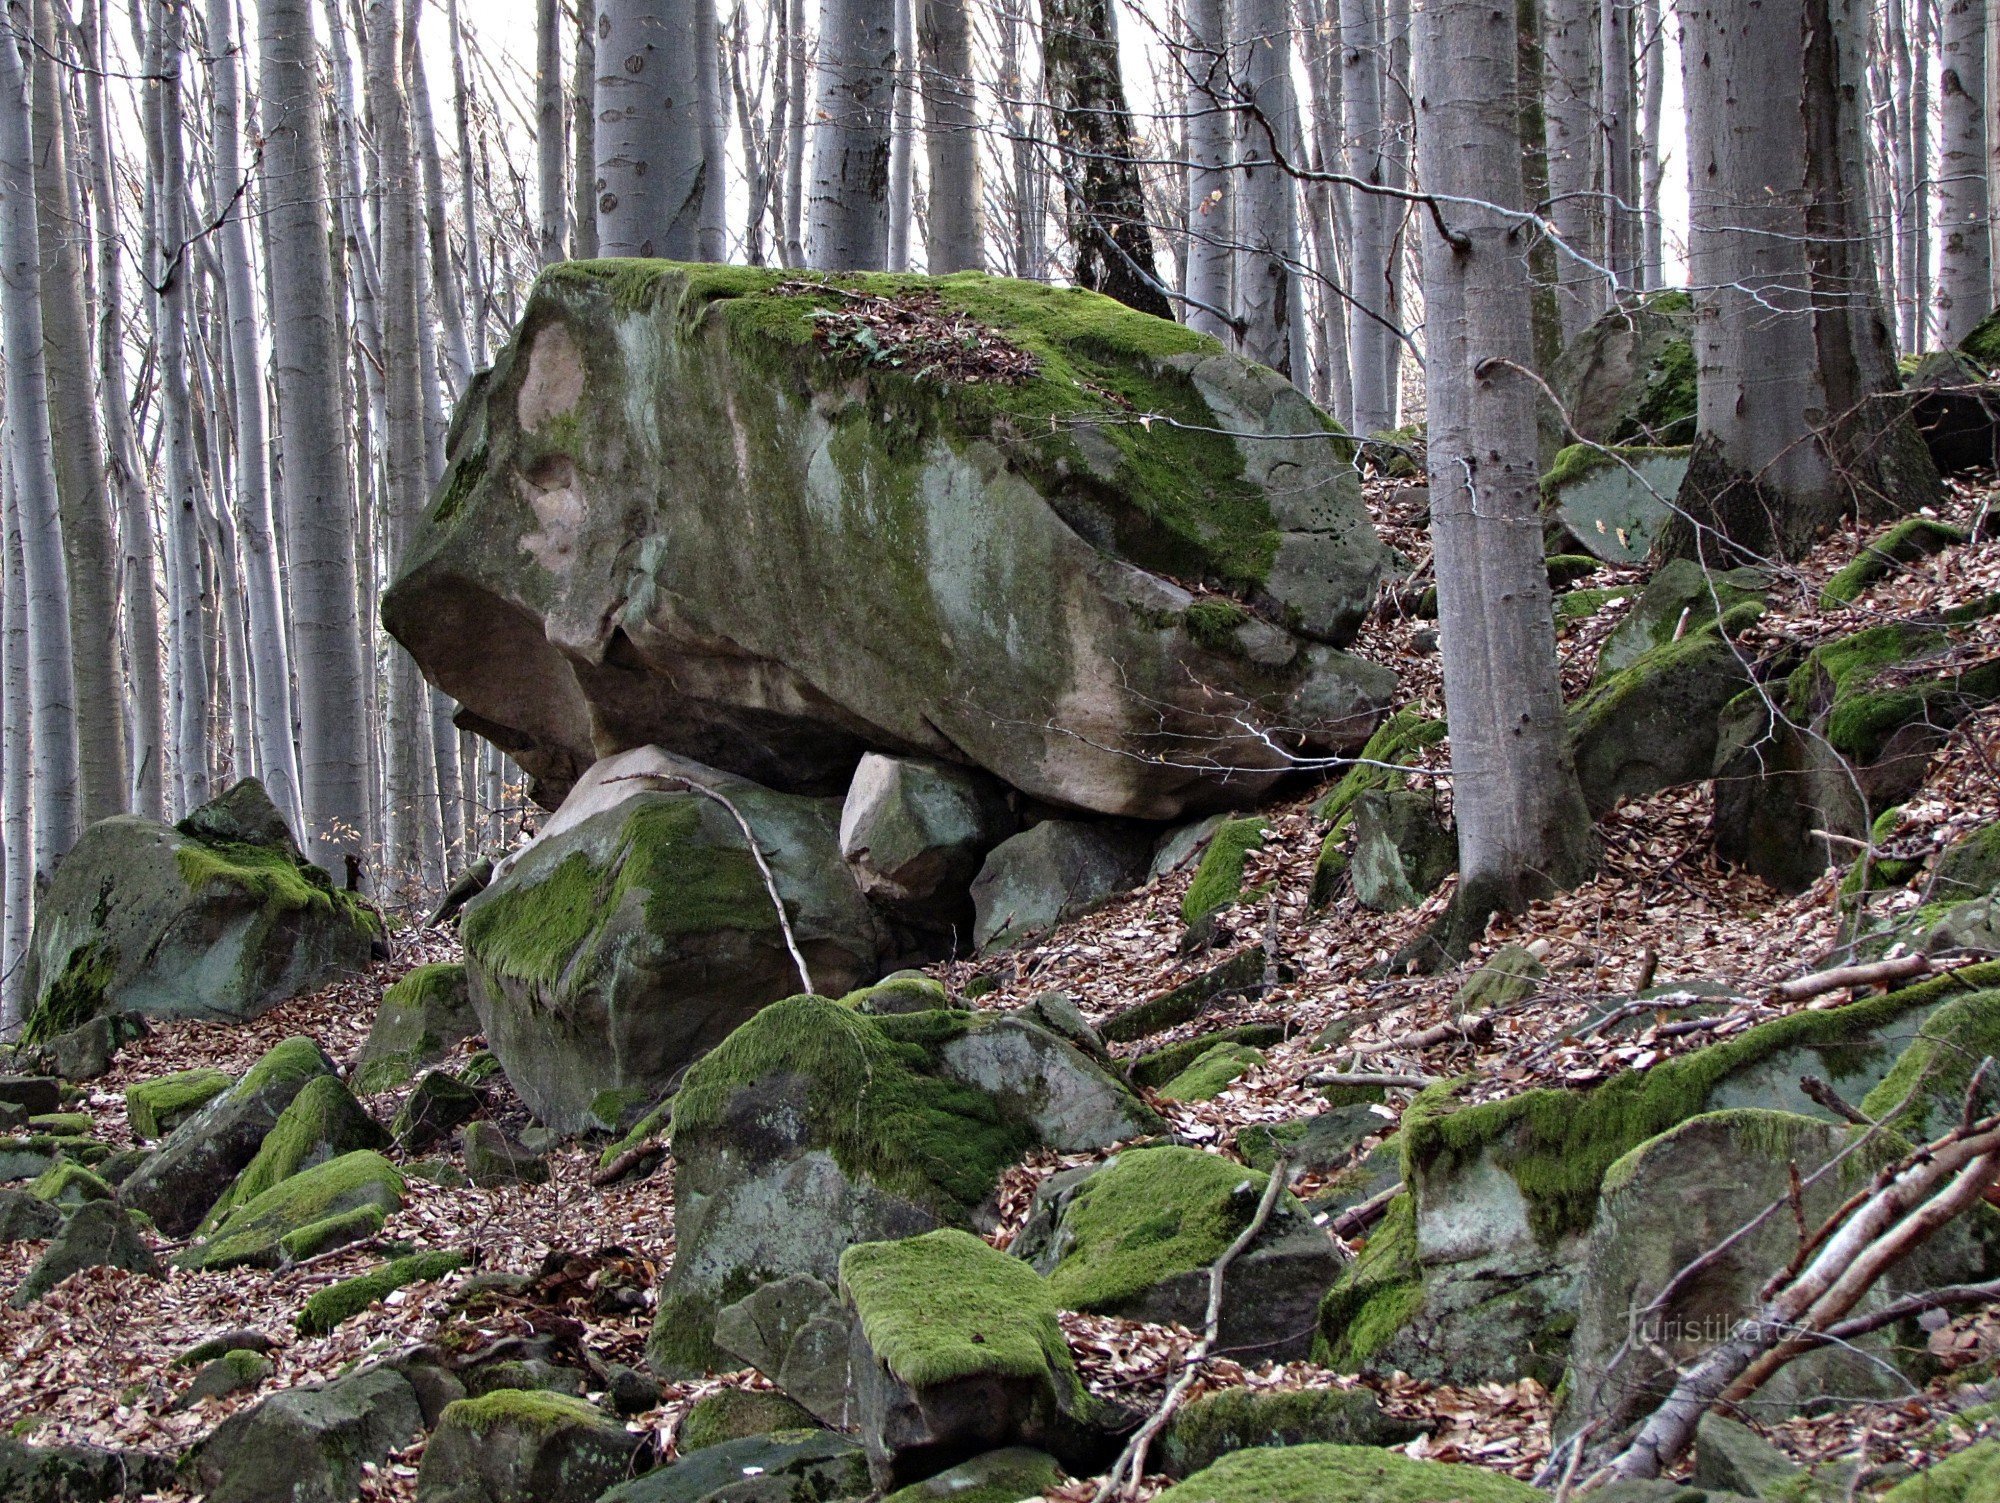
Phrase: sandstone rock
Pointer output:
(798, 555)
(738, 1414)
(915, 831)
(1344, 1474)
(97, 1234)
(636, 931)
(421, 1017)
(1401, 850)
(86, 1051)
(323, 1122)
(345, 1197)
(1136, 1236)
(33, 1094)
(491, 1159)
(434, 1110)
(199, 1159)
(1237, 1419)
(1656, 722)
(1212, 1072)
(1011, 1473)
(26, 1217)
(232, 1372)
(1956, 408)
(796, 1333)
(308, 1445)
(514, 1446)
(1055, 871)
(814, 1127)
(67, 1186)
(1614, 499)
(79, 1474)
(1629, 377)
(1681, 597)
(156, 1107)
(183, 922)
(793, 1466)
(1730, 1457)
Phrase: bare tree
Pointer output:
(1652, 157)
(951, 138)
(1020, 112)
(1374, 327)
(1210, 273)
(902, 138)
(1268, 222)
(16, 754)
(651, 171)
(1618, 145)
(1523, 830)
(1965, 261)
(583, 170)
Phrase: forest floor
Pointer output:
(92, 1361)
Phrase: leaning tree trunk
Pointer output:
(1523, 830)
(1375, 318)
(847, 204)
(651, 175)
(1799, 422)
(951, 138)
(89, 548)
(1569, 119)
(1093, 131)
(51, 665)
(270, 664)
(314, 482)
(1267, 287)
(1964, 293)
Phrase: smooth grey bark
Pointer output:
(1375, 320)
(89, 545)
(461, 110)
(139, 594)
(957, 198)
(712, 233)
(1523, 830)
(263, 603)
(583, 169)
(16, 754)
(454, 347)
(1569, 124)
(1799, 425)
(847, 203)
(1019, 112)
(902, 140)
(1326, 205)
(551, 138)
(651, 172)
(1618, 165)
(1267, 224)
(1907, 197)
(316, 487)
(1210, 281)
(1965, 257)
(1652, 156)
(1105, 202)
(794, 249)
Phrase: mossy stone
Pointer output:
(792, 1466)
(1188, 1000)
(25, 1217)
(1971, 867)
(1907, 541)
(1656, 722)
(323, 1122)
(1059, 869)
(492, 1160)
(69, 1185)
(1344, 1474)
(736, 1413)
(516, 1446)
(1680, 598)
(422, 1016)
(97, 1234)
(232, 1372)
(156, 1107)
(1630, 377)
(1970, 1476)
(62, 1124)
(253, 1232)
(1156, 1068)
(1509, 975)
(439, 1104)
(1218, 880)
(1311, 1144)
(1395, 743)
(1402, 850)
(1613, 499)
(1213, 1072)
(1237, 1419)
(309, 1445)
(336, 1303)
(1008, 1475)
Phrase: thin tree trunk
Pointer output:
(651, 172)
(1618, 144)
(475, 268)
(449, 329)
(1965, 260)
(89, 549)
(1211, 153)
(1523, 830)
(848, 203)
(583, 170)
(1908, 196)
(712, 235)
(795, 131)
(1798, 427)
(16, 754)
(316, 486)
(902, 139)
(951, 138)
(1374, 333)
(1326, 203)
(1019, 111)
(1108, 230)
(1652, 159)
(1268, 217)
(1569, 120)
(551, 138)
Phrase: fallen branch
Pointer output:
(1387, 1082)
(1818, 1090)
(1474, 1030)
(1355, 1220)
(1942, 1298)
(1875, 973)
(629, 1160)
(1126, 1472)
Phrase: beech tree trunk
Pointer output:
(1106, 204)
(1652, 158)
(1375, 321)
(712, 225)
(583, 169)
(1523, 830)
(1618, 164)
(1268, 222)
(315, 483)
(551, 135)
(651, 174)
(902, 139)
(1964, 292)
(1210, 280)
(951, 138)
(794, 251)
(847, 206)
(16, 754)
(1799, 425)
(1021, 112)
(1569, 119)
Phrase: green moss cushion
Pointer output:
(254, 1231)
(1344, 1474)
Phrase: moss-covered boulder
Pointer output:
(1238, 1419)
(1218, 880)
(795, 1332)
(1971, 867)
(1008, 1475)
(236, 1371)
(1472, 1274)
(1613, 500)
(1686, 1193)
(1905, 542)
(1970, 1476)
(1344, 1474)
(518, 1446)
(156, 1107)
(290, 1219)
(1402, 849)
(637, 930)
(323, 1122)
(1681, 597)
(1629, 377)
(1856, 725)
(792, 1466)
(914, 832)
(1956, 407)
(439, 1105)
(68, 1185)
(1136, 1236)
(1398, 741)
(26, 1217)
(1212, 1072)
(1189, 999)
(426, 1012)
(813, 1127)
(1156, 1067)
(309, 1445)
(200, 1159)
(328, 1307)
(738, 1413)
(689, 506)
(79, 1474)
(958, 1352)
(1033, 881)
(172, 921)
(1655, 723)
(97, 1234)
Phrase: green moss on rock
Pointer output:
(1155, 1069)
(1344, 1474)
(69, 1185)
(534, 1410)
(1906, 542)
(1238, 1419)
(156, 1107)
(1375, 1298)
(343, 1301)
(1861, 711)
(77, 994)
(1970, 1476)
(946, 1306)
(322, 1122)
(253, 1232)
(1218, 881)
(735, 1413)
(1213, 1073)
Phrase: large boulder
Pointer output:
(218, 917)
(915, 831)
(1344, 1474)
(200, 1158)
(1681, 597)
(79, 1474)
(792, 1466)
(1629, 377)
(1236, 1419)
(309, 1445)
(323, 1122)
(428, 1010)
(1655, 723)
(1137, 1235)
(1055, 871)
(98, 1234)
(341, 1200)
(709, 507)
(814, 1127)
(520, 1446)
(1614, 500)
(636, 930)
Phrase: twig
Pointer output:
(1357, 1219)
(1818, 1090)
(1901, 968)
(1475, 1030)
(1123, 1478)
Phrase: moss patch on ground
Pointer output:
(1218, 881)
(1154, 1213)
(155, 1107)
(946, 1306)
(1557, 1144)
(1344, 1474)
(1971, 1476)
(343, 1301)
(873, 1096)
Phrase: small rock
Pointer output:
(521, 1375)
(232, 1372)
(26, 1217)
(491, 1160)
(1034, 881)
(1236, 1419)
(513, 1446)
(914, 832)
(156, 1107)
(97, 1235)
(31, 1093)
(67, 1186)
(87, 1051)
(633, 1392)
(79, 1474)
(1730, 1457)
(781, 1468)
(794, 1331)
(439, 1105)
(292, 1218)
(243, 1339)
(1016, 1472)
(1508, 976)
(308, 1445)
(1402, 850)
(736, 1413)
(426, 1012)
